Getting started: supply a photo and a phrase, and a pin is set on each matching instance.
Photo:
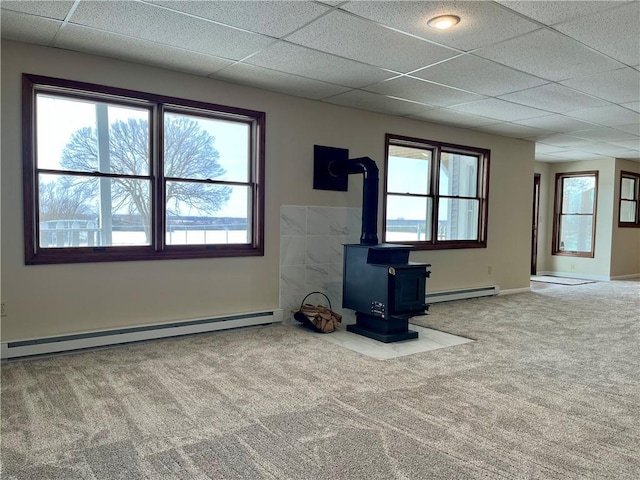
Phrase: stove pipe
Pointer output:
(369, 169)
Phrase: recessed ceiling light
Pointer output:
(444, 21)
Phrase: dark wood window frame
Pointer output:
(482, 192)
(636, 198)
(557, 248)
(157, 105)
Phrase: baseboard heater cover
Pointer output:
(462, 294)
(101, 338)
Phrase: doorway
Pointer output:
(534, 227)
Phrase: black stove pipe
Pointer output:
(369, 169)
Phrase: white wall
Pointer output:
(46, 300)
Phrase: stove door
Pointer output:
(407, 290)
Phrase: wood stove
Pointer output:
(384, 289)
(380, 283)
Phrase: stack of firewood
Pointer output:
(320, 318)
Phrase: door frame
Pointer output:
(534, 223)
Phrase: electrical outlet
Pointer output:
(3, 309)
(489, 269)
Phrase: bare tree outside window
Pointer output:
(189, 153)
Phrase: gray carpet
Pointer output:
(550, 390)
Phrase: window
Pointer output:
(435, 194)
(575, 214)
(629, 215)
(114, 175)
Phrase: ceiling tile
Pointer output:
(609, 116)
(377, 103)
(478, 75)
(603, 134)
(635, 106)
(556, 123)
(548, 55)
(298, 60)
(617, 86)
(576, 155)
(552, 12)
(57, 10)
(630, 144)
(476, 27)
(155, 24)
(560, 140)
(351, 37)
(633, 128)
(274, 18)
(97, 42)
(499, 109)
(604, 149)
(554, 98)
(28, 28)
(615, 32)
(450, 117)
(547, 158)
(544, 149)
(422, 91)
(512, 130)
(277, 81)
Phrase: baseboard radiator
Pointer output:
(462, 294)
(102, 338)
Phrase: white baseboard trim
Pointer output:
(462, 294)
(581, 276)
(102, 338)
(626, 277)
(511, 291)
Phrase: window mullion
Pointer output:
(435, 191)
(158, 188)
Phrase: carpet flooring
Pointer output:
(550, 389)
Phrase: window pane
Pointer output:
(458, 219)
(409, 170)
(407, 218)
(578, 194)
(627, 192)
(458, 175)
(204, 148)
(199, 213)
(627, 211)
(88, 211)
(576, 233)
(70, 134)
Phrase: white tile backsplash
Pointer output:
(293, 220)
(292, 249)
(311, 249)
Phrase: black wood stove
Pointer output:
(380, 283)
(384, 289)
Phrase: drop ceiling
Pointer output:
(564, 74)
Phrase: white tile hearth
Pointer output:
(427, 340)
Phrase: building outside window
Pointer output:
(575, 214)
(436, 194)
(113, 174)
